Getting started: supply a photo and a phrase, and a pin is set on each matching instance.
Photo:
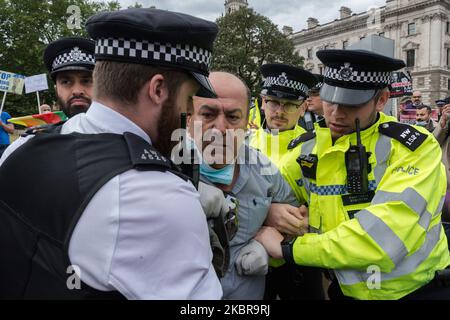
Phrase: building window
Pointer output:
(448, 84)
(448, 57)
(320, 70)
(448, 27)
(310, 53)
(410, 58)
(411, 29)
(345, 44)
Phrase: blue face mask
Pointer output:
(222, 176)
(421, 123)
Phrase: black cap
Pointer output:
(441, 102)
(353, 77)
(286, 82)
(156, 37)
(319, 83)
(69, 54)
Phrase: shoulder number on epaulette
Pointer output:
(407, 135)
(303, 138)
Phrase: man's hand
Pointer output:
(252, 260)
(288, 219)
(271, 239)
(212, 200)
(445, 112)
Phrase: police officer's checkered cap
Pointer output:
(288, 79)
(73, 53)
(153, 52)
(76, 56)
(358, 69)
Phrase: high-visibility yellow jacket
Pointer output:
(254, 116)
(274, 146)
(397, 233)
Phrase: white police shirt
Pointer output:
(143, 234)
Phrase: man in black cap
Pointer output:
(70, 62)
(314, 103)
(283, 95)
(120, 219)
(375, 189)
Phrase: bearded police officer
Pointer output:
(119, 216)
(375, 189)
(70, 62)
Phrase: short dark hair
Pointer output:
(422, 106)
(122, 81)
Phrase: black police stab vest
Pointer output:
(45, 185)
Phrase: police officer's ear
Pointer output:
(381, 99)
(157, 90)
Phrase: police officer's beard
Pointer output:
(71, 110)
(167, 124)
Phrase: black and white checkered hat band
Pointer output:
(276, 81)
(145, 50)
(71, 58)
(318, 86)
(363, 77)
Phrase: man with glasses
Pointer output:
(284, 97)
(375, 189)
(283, 100)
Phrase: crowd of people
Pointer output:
(324, 197)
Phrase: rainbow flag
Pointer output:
(39, 119)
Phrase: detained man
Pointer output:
(240, 171)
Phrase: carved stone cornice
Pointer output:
(414, 7)
(410, 45)
(392, 26)
(436, 16)
(333, 28)
(339, 27)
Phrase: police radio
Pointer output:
(357, 166)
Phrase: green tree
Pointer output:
(26, 28)
(247, 40)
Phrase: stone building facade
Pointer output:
(420, 29)
(234, 5)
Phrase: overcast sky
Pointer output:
(282, 12)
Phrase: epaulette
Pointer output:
(45, 128)
(407, 135)
(302, 138)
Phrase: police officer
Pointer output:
(283, 101)
(314, 103)
(70, 62)
(120, 220)
(375, 189)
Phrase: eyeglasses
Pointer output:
(419, 97)
(288, 107)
